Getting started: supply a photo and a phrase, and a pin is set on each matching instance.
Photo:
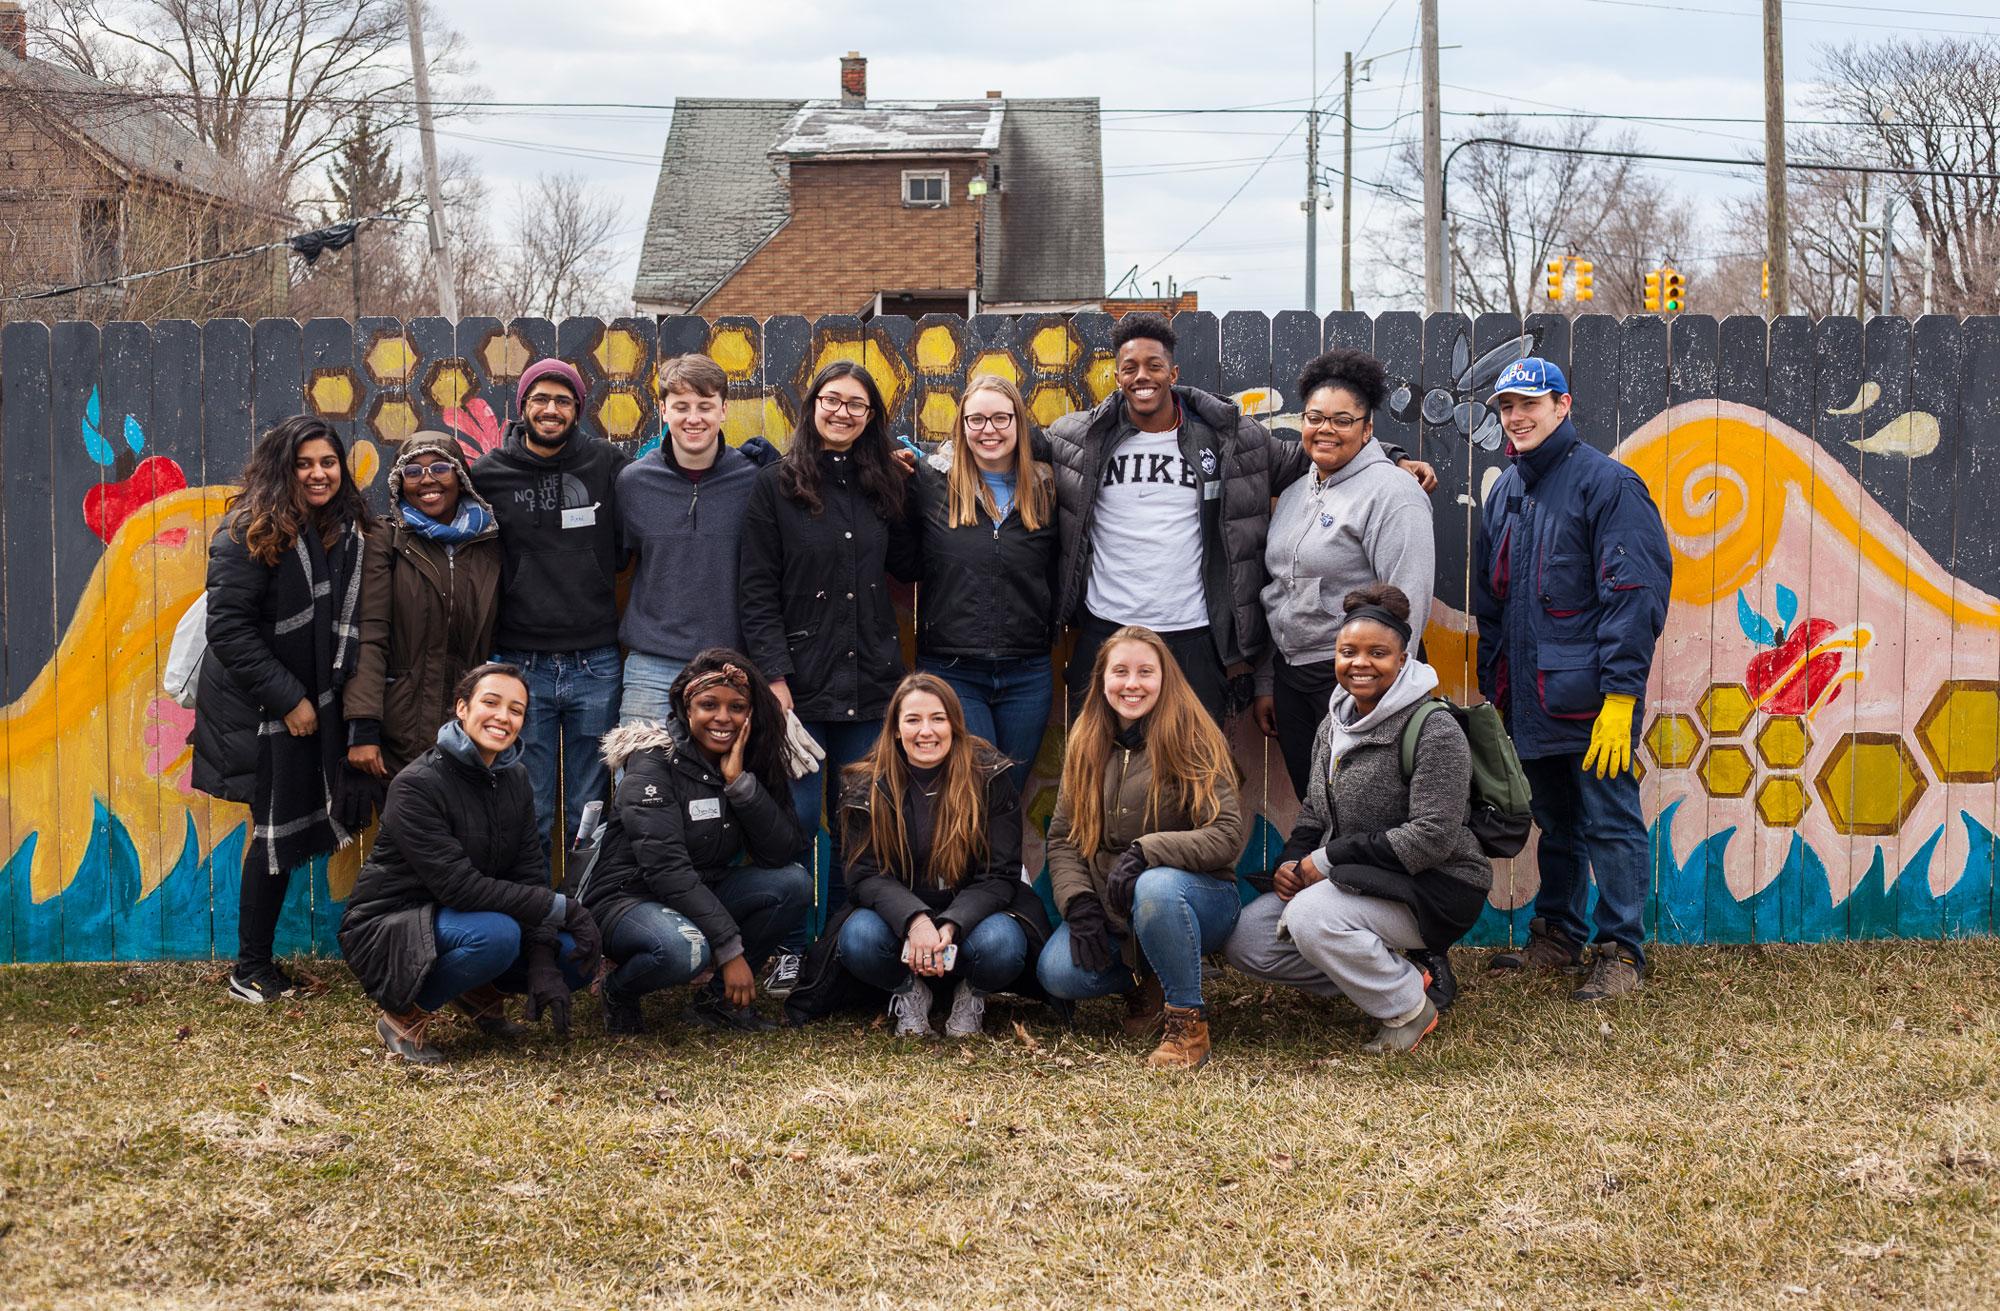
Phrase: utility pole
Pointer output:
(1861, 257)
(1312, 175)
(353, 213)
(1777, 215)
(1435, 269)
(447, 289)
(1347, 190)
(1886, 226)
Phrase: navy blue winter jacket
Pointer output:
(1570, 578)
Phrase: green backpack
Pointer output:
(1497, 810)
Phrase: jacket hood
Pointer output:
(628, 740)
(1417, 681)
(435, 443)
(453, 741)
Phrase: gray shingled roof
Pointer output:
(139, 139)
(827, 127)
(720, 194)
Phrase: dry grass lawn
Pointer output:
(1776, 1127)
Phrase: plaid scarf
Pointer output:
(316, 638)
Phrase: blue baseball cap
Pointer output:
(1532, 377)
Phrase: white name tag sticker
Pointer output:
(1209, 491)
(705, 808)
(582, 517)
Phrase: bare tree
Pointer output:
(563, 260)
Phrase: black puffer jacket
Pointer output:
(453, 834)
(815, 604)
(1230, 449)
(988, 590)
(675, 829)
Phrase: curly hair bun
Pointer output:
(1350, 370)
(1388, 596)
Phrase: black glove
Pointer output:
(547, 991)
(1089, 936)
(357, 795)
(1124, 876)
(589, 945)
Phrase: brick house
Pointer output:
(98, 182)
(844, 206)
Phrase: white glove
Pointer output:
(802, 754)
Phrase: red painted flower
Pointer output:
(108, 505)
(478, 428)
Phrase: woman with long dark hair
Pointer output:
(932, 824)
(986, 617)
(284, 585)
(822, 527)
(1143, 846)
(695, 875)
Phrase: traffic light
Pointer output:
(1555, 280)
(1583, 280)
(1676, 293)
(1767, 279)
(1653, 291)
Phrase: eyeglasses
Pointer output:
(544, 401)
(981, 422)
(443, 471)
(1340, 423)
(834, 404)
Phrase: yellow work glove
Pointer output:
(1611, 737)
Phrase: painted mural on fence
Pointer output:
(1822, 737)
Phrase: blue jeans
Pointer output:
(990, 958)
(845, 742)
(1590, 826)
(659, 948)
(476, 947)
(647, 680)
(1178, 918)
(572, 702)
(1006, 702)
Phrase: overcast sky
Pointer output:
(1168, 172)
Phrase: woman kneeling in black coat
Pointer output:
(698, 792)
(454, 902)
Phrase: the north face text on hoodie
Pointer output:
(1145, 537)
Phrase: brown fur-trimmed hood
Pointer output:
(628, 740)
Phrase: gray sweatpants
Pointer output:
(1339, 944)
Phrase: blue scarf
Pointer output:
(470, 521)
(454, 742)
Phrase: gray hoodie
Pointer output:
(1366, 522)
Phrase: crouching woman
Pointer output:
(696, 877)
(1379, 863)
(454, 902)
(932, 819)
(1142, 848)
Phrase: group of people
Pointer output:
(464, 667)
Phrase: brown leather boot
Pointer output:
(408, 1036)
(1142, 1008)
(486, 1006)
(1185, 1046)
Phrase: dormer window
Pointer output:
(926, 188)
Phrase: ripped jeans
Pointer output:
(658, 948)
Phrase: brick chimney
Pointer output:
(853, 80)
(13, 29)
(994, 95)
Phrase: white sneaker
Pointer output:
(783, 975)
(910, 1005)
(968, 1012)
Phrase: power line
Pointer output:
(1801, 18)
(1225, 206)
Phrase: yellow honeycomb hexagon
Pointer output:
(735, 349)
(1870, 783)
(1055, 349)
(758, 416)
(937, 416)
(1042, 809)
(886, 367)
(1960, 731)
(619, 353)
(1783, 741)
(621, 413)
(1673, 740)
(506, 354)
(1102, 376)
(1782, 801)
(1726, 770)
(996, 362)
(936, 350)
(1725, 708)
(333, 393)
(450, 384)
(390, 359)
(1052, 400)
(393, 420)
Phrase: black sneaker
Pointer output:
(783, 975)
(712, 1011)
(622, 1016)
(1443, 986)
(258, 984)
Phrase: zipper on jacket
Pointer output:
(693, 501)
